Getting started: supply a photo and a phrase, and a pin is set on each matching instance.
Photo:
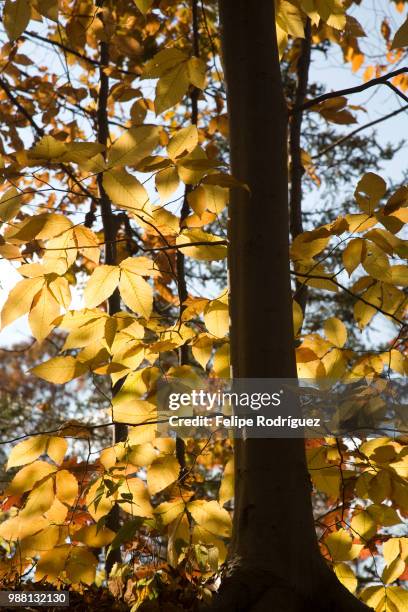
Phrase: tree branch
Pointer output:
(180, 258)
(360, 129)
(383, 80)
(349, 292)
(296, 166)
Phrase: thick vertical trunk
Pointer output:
(275, 561)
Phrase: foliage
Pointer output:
(101, 159)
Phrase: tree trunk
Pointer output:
(275, 564)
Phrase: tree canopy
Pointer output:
(116, 146)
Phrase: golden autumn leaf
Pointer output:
(16, 16)
(60, 370)
(211, 516)
(171, 88)
(136, 293)
(133, 146)
(20, 299)
(44, 310)
(101, 284)
(216, 318)
(143, 5)
(10, 204)
(163, 472)
(27, 451)
(335, 331)
(125, 190)
(167, 181)
(184, 141)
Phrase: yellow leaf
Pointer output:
(134, 411)
(48, 148)
(137, 503)
(374, 597)
(10, 204)
(289, 19)
(401, 36)
(56, 449)
(340, 546)
(216, 198)
(211, 516)
(66, 487)
(202, 349)
(136, 293)
(27, 451)
(363, 525)
(376, 263)
(44, 310)
(125, 190)
(222, 361)
(94, 537)
(393, 571)
(353, 254)
(183, 142)
(391, 550)
(42, 227)
(162, 62)
(335, 331)
(52, 563)
(143, 266)
(16, 16)
(87, 243)
(395, 360)
(171, 88)
(346, 576)
(48, 8)
(40, 542)
(57, 513)
(40, 499)
(399, 275)
(162, 473)
(101, 284)
(143, 5)
(20, 299)
(167, 512)
(167, 181)
(370, 189)
(59, 370)
(216, 318)
(20, 527)
(142, 455)
(201, 252)
(97, 502)
(108, 457)
(398, 597)
(60, 290)
(28, 476)
(196, 69)
(133, 145)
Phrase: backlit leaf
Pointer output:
(60, 370)
(136, 293)
(101, 284)
(162, 473)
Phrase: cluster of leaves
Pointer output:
(57, 504)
